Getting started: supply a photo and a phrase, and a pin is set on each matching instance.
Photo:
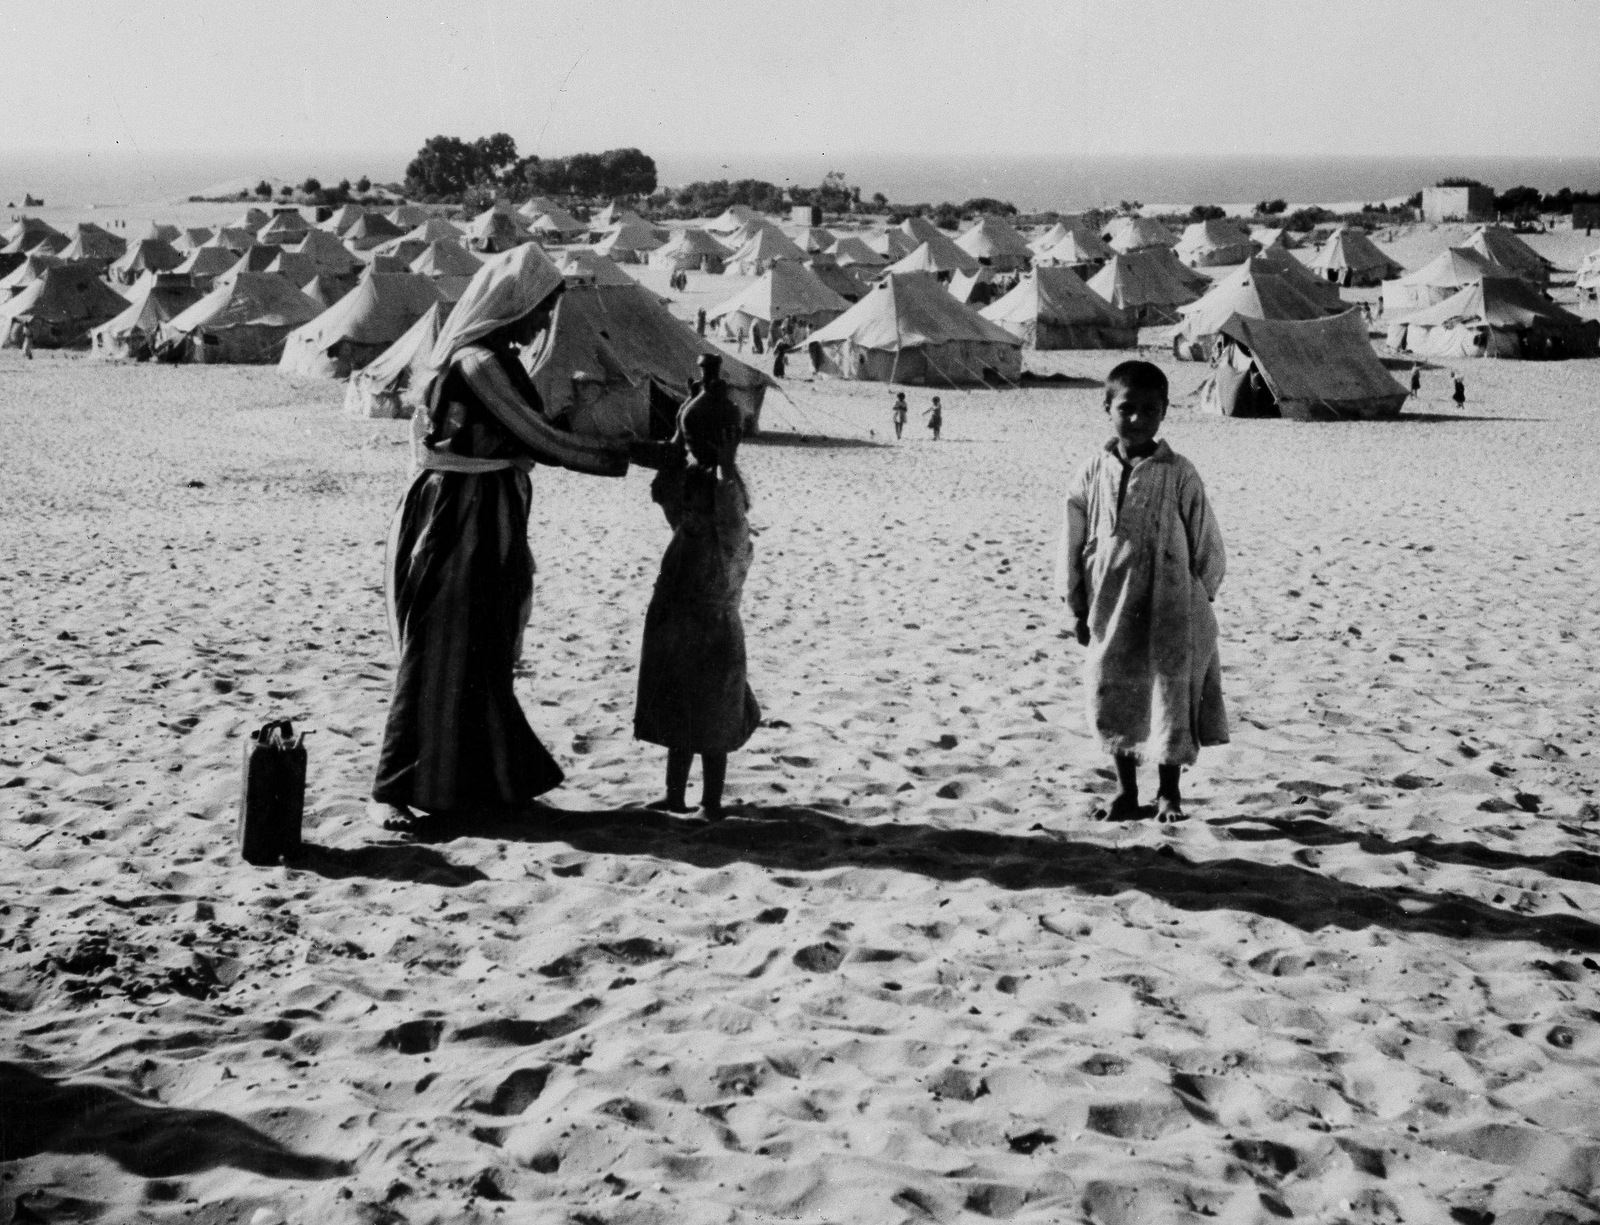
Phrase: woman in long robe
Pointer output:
(459, 569)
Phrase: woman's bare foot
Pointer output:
(1169, 810)
(398, 819)
(669, 803)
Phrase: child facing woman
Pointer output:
(693, 693)
(1140, 561)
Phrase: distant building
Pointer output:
(806, 215)
(1458, 204)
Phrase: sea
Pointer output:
(1064, 182)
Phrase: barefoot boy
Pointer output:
(1141, 559)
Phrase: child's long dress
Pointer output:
(1143, 575)
(693, 694)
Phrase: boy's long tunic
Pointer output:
(1141, 558)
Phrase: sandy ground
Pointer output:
(911, 979)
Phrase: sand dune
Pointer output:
(910, 980)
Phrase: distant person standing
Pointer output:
(935, 416)
(780, 357)
(1459, 394)
(27, 339)
(1416, 380)
(899, 413)
(755, 338)
(700, 321)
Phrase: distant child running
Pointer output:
(693, 694)
(1140, 561)
(899, 412)
(935, 416)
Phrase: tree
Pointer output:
(880, 201)
(264, 190)
(1207, 212)
(947, 216)
(286, 191)
(1129, 208)
(444, 166)
(1519, 201)
(496, 154)
(363, 185)
(988, 204)
(1459, 181)
(1303, 220)
(311, 186)
(1271, 208)
(628, 172)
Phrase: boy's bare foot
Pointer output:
(669, 803)
(713, 812)
(1169, 810)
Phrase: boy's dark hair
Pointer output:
(1136, 376)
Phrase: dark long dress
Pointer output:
(693, 692)
(461, 586)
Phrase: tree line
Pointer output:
(450, 168)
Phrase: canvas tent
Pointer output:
(937, 262)
(409, 216)
(163, 230)
(1279, 261)
(1496, 317)
(325, 289)
(1503, 247)
(358, 327)
(1208, 244)
(31, 269)
(1049, 238)
(155, 299)
(327, 253)
(192, 237)
(909, 330)
(433, 229)
(691, 251)
(629, 243)
(449, 265)
(1077, 249)
(1143, 287)
(918, 229)
(61, 308)
(852, 250)
(342, 218)
(232, 238)
(535, 206)
(557, 223)
(1129, 234)
(849, 287)
(765, 248)
(287, 226)
(976, 289)
(610, 343)
(245, 318)
(1051, 308)
(1266, 237)
(1311, 370)
(295, 268)
(813, 239)
(390, 385)
(25, 233)
(1349, 258)
(371, 231)
(613, 215)
(252, 219)
(255, 259)
(734, 217)
(492, 232)
(145, 255)
(787, 290)
(89, 244)
(891, 244)
(1258, 294)
(205, 264)
(582, 266)
(1442, 276)
(996, 245)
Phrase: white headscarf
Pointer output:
(505, 289)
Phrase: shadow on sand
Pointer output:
(40, 1115)
(816, 442)
(788, 838)
(385, 861)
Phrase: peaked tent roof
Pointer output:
(342, 218)
(371, 231)
(155, 299)
(71, 297)
(1077, 246)
(1052, 295)
(584, 266)
(535, 206)
(813, 238)
(1351, 250)
(90, 243)
(767, 245)
(1319, 367)
(378, 311)
(1498, 302)
(1273, 236)
(945, 252)
(1132, 281)
(255, 259)
(31, 268)
(629, 236)
(892, 244)
(1218, 237)
(992, 239)
(1454, 267)
(851, 249)
(837, 279)
(787, 288)
(1129, 234)
(696, 243)
(145, 255)
(399, 367)
(28, 230)
(248, 299)
(908, 311)
(163, 230)
(435, 228)
(325, 289)
(964, 284)
(403, 249)
(734, 217)
(1506, 249)
(206, 263)
(409, 216)
(296, 268)
(613, 215)
(251, 219)
(327, 252)
(1278, 261)
(445, 257)
(287, 226)
(194, 236)
(927, 259)
(556, 221)
(232, 238)
(1049, 238)
(1255, 295)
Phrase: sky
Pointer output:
(959, 77)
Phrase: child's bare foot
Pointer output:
(713, 811)
(1121, 808)
(398, 819)
(670, 803)
(1169, 810)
